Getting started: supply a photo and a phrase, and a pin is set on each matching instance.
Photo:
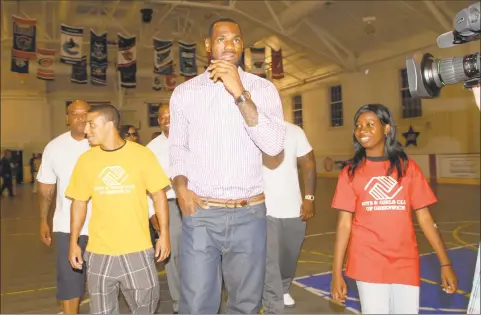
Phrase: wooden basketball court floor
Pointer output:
(28, 266)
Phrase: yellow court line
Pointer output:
(313, 262)
(160, 273)
(459, 239)
(320, 254)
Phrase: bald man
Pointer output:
(58, 161)
(160, 146)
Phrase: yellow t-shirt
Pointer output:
(117, 181)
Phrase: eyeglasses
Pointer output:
(133, 134)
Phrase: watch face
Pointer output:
(247, 94)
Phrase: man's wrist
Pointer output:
(238, 92)
(309, 197)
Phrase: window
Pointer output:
(411, 107)
(336, 106)
(297, 110)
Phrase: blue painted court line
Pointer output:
(432, 300)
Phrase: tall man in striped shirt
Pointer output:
(222, 122)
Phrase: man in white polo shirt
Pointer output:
(287, 213)
(58, 161)
(160, 146)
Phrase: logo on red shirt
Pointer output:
(383, 189)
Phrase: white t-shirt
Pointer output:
(160, 147)
(58, 161)
(282, 190)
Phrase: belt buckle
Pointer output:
(230, 201)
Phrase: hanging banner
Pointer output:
(19, 65)
(170, 82)
(277, 66)
(98, 58)
(71, 40)
(79, 72)
(45, 61)
(258, 57)
(163, 61)
(157, 82)
(127, 61)
(188, 64)
(24, 38)
(166, 82)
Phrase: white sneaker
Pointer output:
(288, 300)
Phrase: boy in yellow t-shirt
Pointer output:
(117, 175)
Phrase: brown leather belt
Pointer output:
(233, 203)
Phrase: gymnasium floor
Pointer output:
(28, 266)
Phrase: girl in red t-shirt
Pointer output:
(376, 191)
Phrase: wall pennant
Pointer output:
(24, 38)
(411, 137)
(71, 41)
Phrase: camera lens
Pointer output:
(458, 69)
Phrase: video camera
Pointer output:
(428, 75)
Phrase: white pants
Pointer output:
(381, 298)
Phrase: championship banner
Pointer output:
(24, 38)
(163, 61)
(19, 65)
(79, 72)
(45, 61)
(98, 58)
(258, 61)
(71, 40)
(277, 66)
(188, 64)
(127, 61)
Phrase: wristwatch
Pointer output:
(309, 197)
(243, 97)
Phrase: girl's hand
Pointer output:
(339, 289)
(449, 279)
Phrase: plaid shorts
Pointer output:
(134, 274)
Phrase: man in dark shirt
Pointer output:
(6, 173)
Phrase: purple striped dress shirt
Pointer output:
(211, 144)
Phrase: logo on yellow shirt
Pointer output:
(114, 178)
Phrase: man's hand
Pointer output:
(188, 201)
(307, 210)
(228, 73)
(162, 247)
(155, 223)
(45, 235)
(75, 256)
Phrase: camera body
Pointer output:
(146, 14)
(428, 75)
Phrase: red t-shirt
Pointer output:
(383, 246)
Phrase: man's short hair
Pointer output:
(211, 28)
(109, 112)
